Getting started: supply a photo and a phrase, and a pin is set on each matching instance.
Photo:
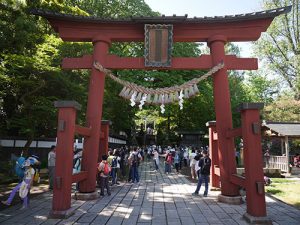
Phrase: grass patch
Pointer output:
(286, 190)
(282, 180)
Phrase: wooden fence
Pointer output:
(279, 162)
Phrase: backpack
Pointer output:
(19, 168)
(135, 160)
(169, 159)
(114, 162)
(205, 169)
(106, 169)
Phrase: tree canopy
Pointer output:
(279, 47)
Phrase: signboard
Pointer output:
(158, 45)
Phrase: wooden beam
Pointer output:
(85, 62)
(102, 135)
(178, 63)
(83, 31)
(85, 131)
(236, 132)
(79, 176)
(215, 136)
(238, 180)
(217, 170)
(287, 150)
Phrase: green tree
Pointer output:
(279, 47)
(30, 78)
(261, 89)
(285, 108)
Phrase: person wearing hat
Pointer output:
(23, 187)
(204, 165)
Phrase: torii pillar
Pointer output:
(104, 136)
(224, 122)
(213, 153)
(87, 187)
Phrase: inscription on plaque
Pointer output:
(158, 45)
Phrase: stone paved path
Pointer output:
(158, 199)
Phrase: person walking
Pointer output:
(168, 162)
(177, 161)
(104, 170)
(23, 187)
(192, 163)
(51, 165)
(156, 159)
(135, 158)
(204, 164)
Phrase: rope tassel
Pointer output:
(196, 90)
(123, 91)
(139, 97)
(149, 100)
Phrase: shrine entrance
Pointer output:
(160, 32)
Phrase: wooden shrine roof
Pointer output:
(165, 19)
(290, 129)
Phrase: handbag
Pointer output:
(23, 191)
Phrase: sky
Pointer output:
(201, 8)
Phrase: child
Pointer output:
(23, 187)
(104, 170)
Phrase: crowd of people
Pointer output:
(197, 159)
(123, 164)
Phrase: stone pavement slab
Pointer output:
(158, 199)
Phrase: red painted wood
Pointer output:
(85, 131)
(213, 152)
(249, 30)
(84, 62)
(103, 146)
(215, 136)
(101, 135)
(178, 63)
(217, 171)
(236, 132)
(94, 115)
(256, 204)
(224, 118)
(79, 176)
(238, 180)
(64, 160)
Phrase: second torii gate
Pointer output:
(215, 31)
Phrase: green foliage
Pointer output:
(114, 8)
(280, 46)
(260, 88)
(286, 109)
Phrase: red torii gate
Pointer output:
(216, 31)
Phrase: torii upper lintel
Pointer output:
(243, 27)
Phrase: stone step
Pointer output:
(295, 170)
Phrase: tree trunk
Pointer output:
(26, 146)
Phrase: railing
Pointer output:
(278, 162)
